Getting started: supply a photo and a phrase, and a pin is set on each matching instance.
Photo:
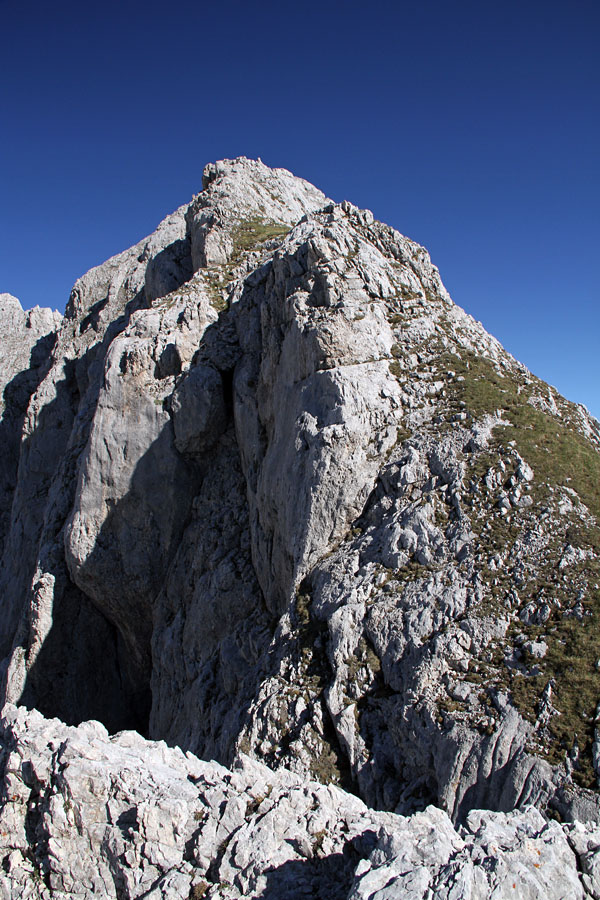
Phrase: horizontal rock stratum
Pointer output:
(271, 498)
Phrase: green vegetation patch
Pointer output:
(570, 664)
(363, 657)
(310, 634)
(561, 457)
(247, 235)
(214, 286)
(558, 453)
(403, 434)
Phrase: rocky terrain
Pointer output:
(96, 816)
(272, 499)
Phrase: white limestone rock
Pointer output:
(54, 433)
(86, 815)
(242, 193)
(497, 855)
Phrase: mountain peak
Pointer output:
(274, 494)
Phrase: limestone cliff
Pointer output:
(273, 495)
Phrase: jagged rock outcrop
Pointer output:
(86, 815)
(27, 340)
(277, 495)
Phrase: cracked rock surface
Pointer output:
(87, 815)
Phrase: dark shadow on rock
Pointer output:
(93, 317)
(17, 394)
(133, 550)
(39, 459)
(83, 669)
(169, 269)
(404, 780)
(321, 878)
(43, 462)
(95, 661)
(127, 822)
(80, 672)
(487, 791)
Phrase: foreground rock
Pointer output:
(88, 815)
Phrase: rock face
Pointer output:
(27, 341)
(270, 495)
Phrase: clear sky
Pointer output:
(472, 127)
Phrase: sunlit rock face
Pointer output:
(267, 491)
(90, 815)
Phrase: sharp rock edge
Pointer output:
(271, 498)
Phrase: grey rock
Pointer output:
(198, 409)
(537, 649)
(238, 195)
(496, 855)
(86, 815)
(43, 609)
(27, 342)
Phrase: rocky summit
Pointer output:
(300, 576)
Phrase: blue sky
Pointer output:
(472, 127)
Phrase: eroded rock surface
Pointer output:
(87, 815)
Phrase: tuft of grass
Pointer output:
(403, 434)
(303, 600)
(363, 657)
(319, 837)
(215, 283)
(557, 451)
(325, 768)
(249, 233)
